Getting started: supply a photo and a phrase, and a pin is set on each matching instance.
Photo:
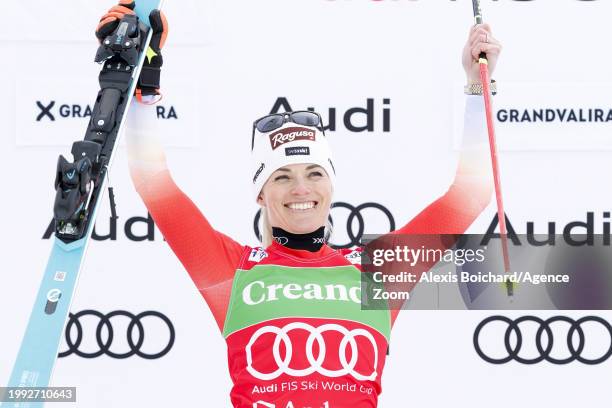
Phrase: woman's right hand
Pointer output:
(148, 82)
(480, 39)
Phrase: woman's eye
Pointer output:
(281, 177)
(316, 174)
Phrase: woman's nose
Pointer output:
(300, 187)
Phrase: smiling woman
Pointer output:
(294, 175)
(296, 200)
(290, 309)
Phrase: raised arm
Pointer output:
(209, 256)
(472, 187)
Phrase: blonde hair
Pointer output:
(266, 229)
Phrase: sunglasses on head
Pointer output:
(272, 122)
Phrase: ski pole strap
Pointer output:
(149, 79)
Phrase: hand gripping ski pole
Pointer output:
(486, 92)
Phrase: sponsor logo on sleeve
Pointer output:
(354, 257)
(257, 254)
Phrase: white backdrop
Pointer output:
(226, 63)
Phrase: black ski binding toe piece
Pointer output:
(72, 184)
(124, 43)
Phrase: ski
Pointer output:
(79, 187)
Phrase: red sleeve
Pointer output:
(209, 256)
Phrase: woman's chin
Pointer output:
(303, 228)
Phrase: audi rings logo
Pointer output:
(281, 240)
(316, 363)
(355, 222)
(106, 334)
(545, 337)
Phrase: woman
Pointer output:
(290, 309)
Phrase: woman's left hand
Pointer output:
(480, 40)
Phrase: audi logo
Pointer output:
(316, 363)
(356, 213)
(575, 340)
(134, 334)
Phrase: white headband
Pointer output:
(289, 144)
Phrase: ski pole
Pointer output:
(486, 92)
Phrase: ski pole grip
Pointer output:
(478, 19)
